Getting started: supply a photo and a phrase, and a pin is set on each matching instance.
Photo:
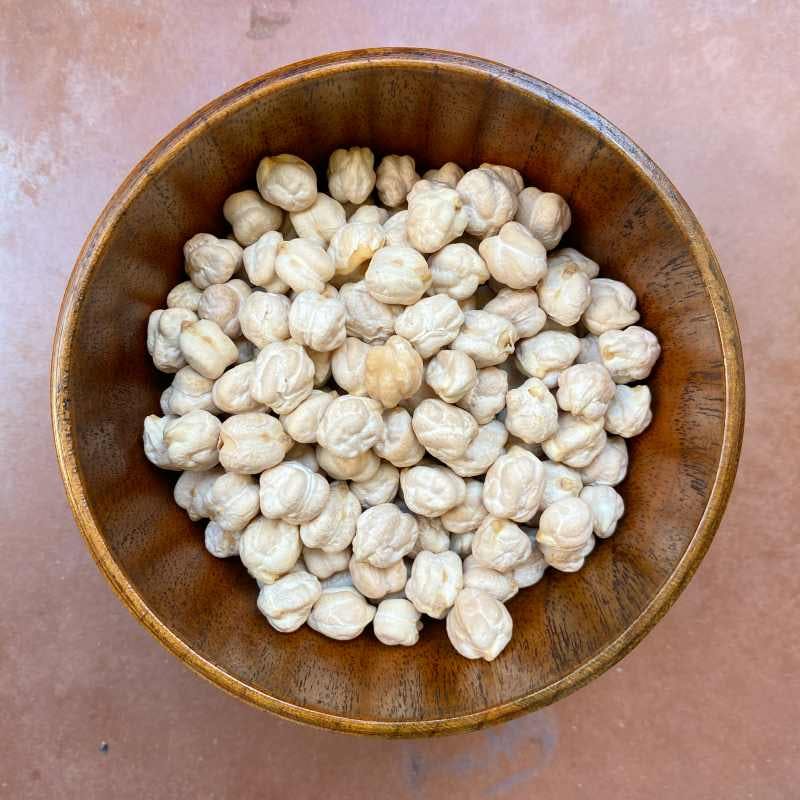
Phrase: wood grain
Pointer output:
(436, 106)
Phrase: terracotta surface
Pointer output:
(705, 707)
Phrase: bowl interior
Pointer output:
(436, 110)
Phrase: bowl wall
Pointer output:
(436, 107)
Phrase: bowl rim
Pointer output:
(561, 102)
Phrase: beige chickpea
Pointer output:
(451, 374)
(514, 257)
(251, 216)
(610, 465)
(189, 391)
(394, 229)
(287, 181)
(607, 508)
(585, 390)
(395, 177)
(457, 270)
(576, 442)
(369, 214)
(206, 348)
(324, 564)
(292, 492)
(449, 174)
(322, 362)
(349, 366)
(510, 176)
(565, 292)
(220, 542)
(360, 468)
(488, 201)
(547, 354)
(184, 295)
(486, 338)
(155, 447)
(283, 376)
(560, 482)
(367, 319)
(445, 431)
(191, 491)
(431, 490)
(384, 534)
(612, 307)
(500, 585)
(163, 337)
(233, 501)
(393, 372)
(478, 625)
(397, 276)
(264, 318)
(353, 245)
(436, 216)
(377, 582)
(303, 265)
(468, 515)
(568, 255)
(351, 176)
(211, 260)
(287, 603)
(317, 322)
(304, 454)
(432, 536)
(514, 485)
(500, 544)
(530, 571)
(565, 534)
(259, 262)
(252, 442)
(333, 529)
(338, 580)
(341, 613)
(192, 441)
(629, 411)
(423, 393)
(350, 426)
(461, 543)
(397, 622)
(482, 452)
(320, 220)
(436, 579)
(301, 424)
(399, 445)
(430, 324)
(521, 309)
(231, 391)
(590, 350)
(545, 214)
(269, 548)
(531, 412)
(487, 397)
(380, 488)
(220, 303)
(629, 355)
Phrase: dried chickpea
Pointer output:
(292, 492)
(545, 214)
(304, 454)
(380, 488)
(259, 262)
(231, 392)
(431, 536)
(221, 302)
(468, 515)
(397, 622)
(500, 544)
(530, 571)
(303, 265)
(354, 244)
(375, 582)
(436, 216)
(384, 534)
(368, 319)
(629, 355)
(607, 508)
(510, 176)
(531, 412)
(545, 355)
(251, 216)
(423, 393)
(482, 452)
(514, 257)
(461, 544)
(610, 465)
(370, 214)
(431, 490)
(283, 376)
(220, 542)
(350, 426)
(449, 173)
(568, 255)
(457, 270)
(430, 324)
(442, 429)
(436, 579)
(565, 532)
(269, 548)
(287, 603)
(360, 468)
(394, 229)
(395, 177)
(264, 317)
(232, 501)
(399, 445)
(320, 220)
(251, 443)
(488, 201)
(590, 350)
(500, 585)
(576, 442)
(188, 391)
(564, 292)
(163, 337)
(397, 276)
(192, 490)
(629, 411)
(521, 309)
(153, 440)
(323, 564)
(451, 374)
(206, 348)
(514, 485)
(317, 322)
(478, 626)
(211, 260)
(322, 366)
(612, 307)
(351, 177)
(487, 397)
(337, 581)
(560, 482)
(393, 371)
(301, 423)
(585, 390)
(341, 614)
(487, 339)
(184, 295)
(333, 529)
(192, 441)
(287, 181)
(349, 366)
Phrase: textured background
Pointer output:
(705, 707)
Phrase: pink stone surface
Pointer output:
(705, 707)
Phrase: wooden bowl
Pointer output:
(436, 106)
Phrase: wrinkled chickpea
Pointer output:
(341, 614)
(351, 177)
(545, 355)
(367, 319)
(510, 176)
(442, 429)
(629, 355)
(283, 376)
(500, 585)
(568, 255)
(192, 489)
(451, 374)
(399, 445)
(320, 221)
(457, 270)
(436, 216)
(521, 309)
(231, 391)
(500, 544)
(303, 265)
(431, 536)
(431, 490)
(317, 322)
(395, 177)
(292, 492)
(487, 397)
(184, 295)
(360, 468)
(287, 603)
(479, 626)
(188, 391)
(436, 579)
(397, 276)
(353, 245)
(564, 292)
(333, 529)
(259, 263)
(610, 465)
(233, 501)
(576, 442)
(350, 426)
(153, 440)
(251, 216)
(468, 515)
(488, 201)
(380, 488)
(545, 214)
(251, 443)
(384, 534)
(514, 257)
(206, 348)
(393, 371)
(163, 337)
(607, 508)
(322, 564)
(397, 622)
(375, 582)
(531, 412)
(560, 481)
(514, 485)
(211, 260)
(221, 302)
(449, 174)
(482, 451)
(430, 324)
(192, 441)
(486, 338)
(612, 307)
(585, 390)
(287, 181)
(629, 411)
(349, 366)
(302, 423)
(565, 531)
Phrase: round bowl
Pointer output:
(436, 106)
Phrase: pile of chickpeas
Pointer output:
(398, 408)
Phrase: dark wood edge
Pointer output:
(164, 151)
